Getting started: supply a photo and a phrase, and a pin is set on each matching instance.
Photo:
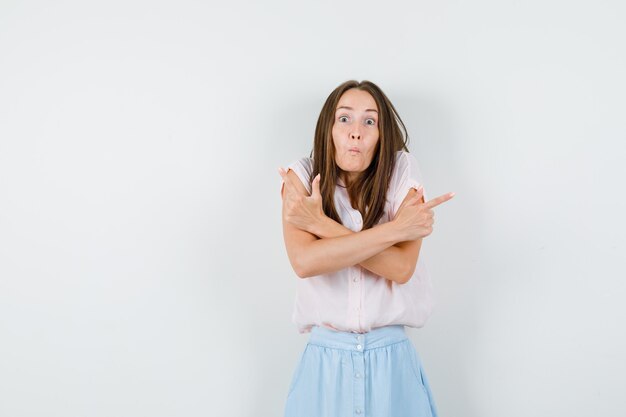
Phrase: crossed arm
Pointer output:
(332, 246)
(396, 262)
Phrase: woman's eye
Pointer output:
(342, 117)
(373, 121)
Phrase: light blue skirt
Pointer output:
(374, 374)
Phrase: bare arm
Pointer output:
(395, 263)
(310, 256)
(378, 248)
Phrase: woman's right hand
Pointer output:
(414, 219)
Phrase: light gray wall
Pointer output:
(142, 266)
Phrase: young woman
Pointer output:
(354, 216)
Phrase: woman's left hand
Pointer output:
(303, 211)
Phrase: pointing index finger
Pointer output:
(438, 200)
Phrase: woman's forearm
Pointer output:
(389, 263)
(331, 254)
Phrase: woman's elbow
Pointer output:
(301, 273)
(407, 274)
(301, 268)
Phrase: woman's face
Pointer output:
(355, 131)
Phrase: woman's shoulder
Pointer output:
(304, 164)
(404, 157)
(405, 169)
(303, 167)
(407, 174)
(405, 161)
(307, 162)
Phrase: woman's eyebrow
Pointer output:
(350, 108)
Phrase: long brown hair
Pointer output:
(368, 193)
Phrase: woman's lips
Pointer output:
(354, 150)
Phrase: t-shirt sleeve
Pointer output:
(303, 168)
(406, 175)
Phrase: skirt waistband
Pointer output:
(375, 338)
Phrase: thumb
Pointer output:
(315, 187)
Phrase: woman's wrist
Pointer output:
(318, 226)
(326, 227)
(396, 231)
